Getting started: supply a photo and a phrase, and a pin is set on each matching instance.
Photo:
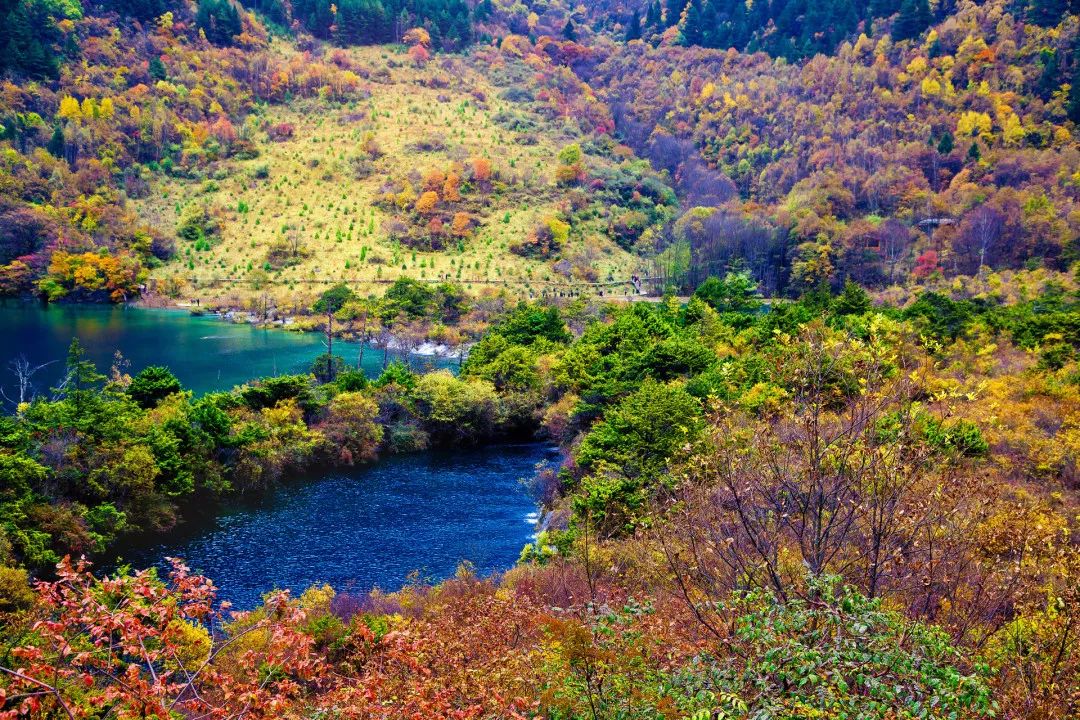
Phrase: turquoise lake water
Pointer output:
(205, 352)
(355, 529)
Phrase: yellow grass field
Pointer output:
(304, 188)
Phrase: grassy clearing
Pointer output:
(304, 195)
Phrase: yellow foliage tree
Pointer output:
(1012, 130)
(451, 188)
(406, 197)
(69, 108)
(972, 123)
(433, 179)
(462, 223)
(417, 36)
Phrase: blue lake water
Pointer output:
(355, 529)
(370, 527)
(205, 353)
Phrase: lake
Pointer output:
(355, 529)
(369, 527)
(206, 353)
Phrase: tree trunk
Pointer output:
(363, 340)
(330, 345)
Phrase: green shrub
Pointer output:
(961, 437)
(152, 385)
(351, 380)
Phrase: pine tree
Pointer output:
(1047, 13)
(82, 381)
(881, 8)
(974, 154)
(852, 301)
(945, 144)
(655, 16)
(157, 69)
(29, 32)
(55, 145)
(633, 30)
(713, 34)
(568, 30)
(219, 20)
(693, 32)
(914, 17)
(731, 24)
(1073, 108)
(674, 12)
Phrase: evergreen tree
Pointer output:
(737, 292)
(152, 385)
(219, 20)
(633, 29)
(913, 19)
(1073, 107)
(1050, 77)
(1047, 13)
(330, 302)
(55, 145)
(693, 31)
(157, 69)
(141, 9)
(655, 16)
(484, 10)
(945, 144)
(853, 300)
(29, 35)
(568, 30)
(882, 8)
(674, 12)
(727, 23)
(82, 381)
(974, 153)
(839, 20)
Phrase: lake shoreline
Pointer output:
(238, 316)
(207, 351)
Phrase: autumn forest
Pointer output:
(790, 290)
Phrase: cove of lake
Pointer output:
(354, 528)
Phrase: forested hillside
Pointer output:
(829, 471)
(175, 151)
(885, 162)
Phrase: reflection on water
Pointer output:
(205, 353)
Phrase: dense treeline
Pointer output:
(448, 22)
(791, 29)
(901, 479)
(35, 35)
